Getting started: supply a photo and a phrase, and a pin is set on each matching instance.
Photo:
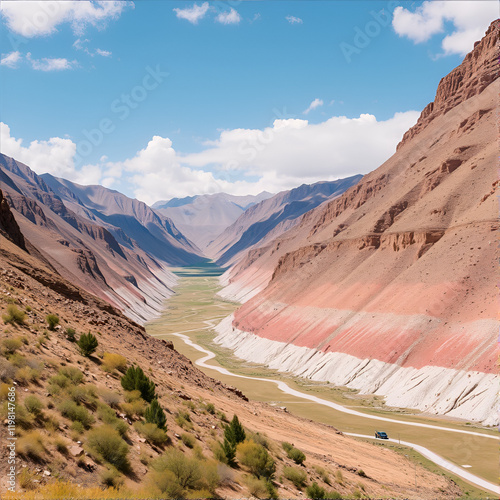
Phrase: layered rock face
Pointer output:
(391, 288)
(112, 246)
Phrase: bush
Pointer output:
(105, 443)
(218, 452)
(111, 478)
(256, 487)
(60, 381)
(14, 316)
(361, 473)
(210, 408)
(184, 420)
(11, 345)
(76, 413)
(164, 484)
(7, 370)
(296, 476)
(87, 344)
(52, 321)
(33, 405)
(72, 373)
(31, 446)
(315, 492)
(188, 439)
(112, 361)
(134, 379)
(135, 408)
(296, 455)
(27, 479)
(80, 394)
(339, 477)
(26, 375)
(61, 445)
(71, 334)
(256, 458)
(23, 418)
(233, 435)
(108, 416)
(154, 414)
(111, 398)
(152, 433)
(186, 470)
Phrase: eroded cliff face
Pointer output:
(8, 225)
(401, 269)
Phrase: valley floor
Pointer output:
(195, 309)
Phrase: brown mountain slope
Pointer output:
(90, 248)
(392, 286)
(64, 400)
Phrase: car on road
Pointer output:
(381, 435)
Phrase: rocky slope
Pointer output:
(69, 406)
(202, 218)
(391, 288)
(270, 218)
(112, 246)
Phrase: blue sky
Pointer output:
(232, 113)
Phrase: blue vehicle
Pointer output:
(381, 435)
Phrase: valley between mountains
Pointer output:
(133, 335)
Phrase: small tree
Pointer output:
(52, 320)
(234, 433)
(87, 343)
(257, 459)
(134, 379)
(155, 414)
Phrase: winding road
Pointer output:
(430, 455)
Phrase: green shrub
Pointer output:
(33, 405)
(361, 473)
(233, 435)
(28, 309)
(134, 379)
(7, 370)
(183, 420)
(11, 345)
(210, 408)
(296, 455)
(315, 492)
(80, 394)
(111, 478)
(23, 418)
(18, 360)
(87, 344)
(186, 470)
(26, 375)
(256, 458)
(339, 477)
(106, 443)
(111, 398)
(76, 413)
(52, 321)
(131, 396)
(72, 373)
(333, 495)
(256, 487)
(112, 362)
(152, 433)
(154, 414)
(31, 445)
(108, 416)
(163, 484)
(61, 445)
(77, 427)
(134, 408)
(188, 439)
(219, 452)
(71, 334)
(60, 381)
(14, 316)
(296, 476)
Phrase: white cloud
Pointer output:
(11, 60)
(294, 20)
(469, 18)
(39, 18)
(80, 44)
(193, 14)
(315, 104)
(240, 161)
(50, 64)
(230, 17)
(103, 53)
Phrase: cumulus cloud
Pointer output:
(103, 53)
(469, 18)
(240, 161)
(50, 64)
(39, 18)
(230, 17)
(192, 14)
(11, 60)
(294, 20)
(315, 104)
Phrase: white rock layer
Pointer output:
(457, 393)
